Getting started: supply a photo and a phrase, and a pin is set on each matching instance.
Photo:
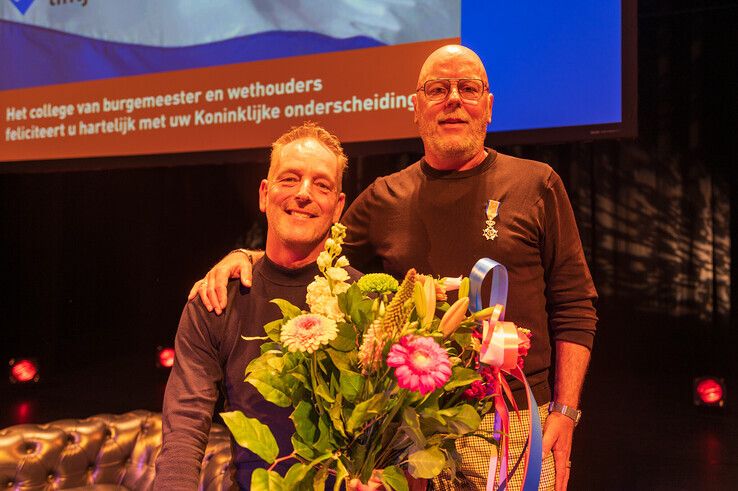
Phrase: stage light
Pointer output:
(23, 370)
(165, 357)
(709, 391)
(23, 412)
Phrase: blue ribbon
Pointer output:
(498, 295)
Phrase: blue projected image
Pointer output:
(550, 63)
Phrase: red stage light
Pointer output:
(23, 412)
(709, 391)
(166, 357)
(23, 370)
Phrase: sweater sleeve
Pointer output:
(189, 399)
(570, 292)
(358, 243)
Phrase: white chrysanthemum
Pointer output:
(322, 301)
(307, 332)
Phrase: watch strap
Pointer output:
(570, 412)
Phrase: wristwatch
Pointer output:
(568, 411)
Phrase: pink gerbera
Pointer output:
(307, 332)
(421, 365)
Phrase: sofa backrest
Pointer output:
(106, 449)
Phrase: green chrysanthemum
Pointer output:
(377, 283)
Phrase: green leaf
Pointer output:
(426, 464)
(266, 373)
(295, 475)
(335, 386)
(258, 363)
(347, 299)
(342, 360)
(270, 346)
(319, 479)
(335, 414)
(264, 480)
(361, 312)
(463, 337)
(448, 447)
(269, 392)
(273, 329)
(429, 402)
(289, 311)
(304, 419)
(461, 377)
(351, 384)
(275, 363)
(325, 441)
(394, 478)
(251, 434)
(346, 338)
(411, 427)
(364, 411)
(303, 449)
(464, 420)
(303, 476)
(300, 374)
(323, 391)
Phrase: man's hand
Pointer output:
(213, 288)
(571, 366)
(557, 437)
(375, 483)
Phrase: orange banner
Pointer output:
(360, 95)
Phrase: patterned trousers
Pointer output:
(475, 452)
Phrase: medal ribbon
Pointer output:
(492, 207)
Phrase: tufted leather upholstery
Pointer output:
(104, 452)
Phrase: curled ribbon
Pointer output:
(500, 350)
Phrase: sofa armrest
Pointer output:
(104, 449)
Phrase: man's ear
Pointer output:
(263, 189)
(491, 100)
(414, 101)
(338, 210)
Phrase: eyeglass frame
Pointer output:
(485, 87)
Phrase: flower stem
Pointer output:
(314, 380)
(282, 459)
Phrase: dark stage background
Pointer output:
(96, 265)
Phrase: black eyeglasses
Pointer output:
(470, 89)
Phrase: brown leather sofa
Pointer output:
(104, 452)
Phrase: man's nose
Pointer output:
(453, 94)
(305, 190)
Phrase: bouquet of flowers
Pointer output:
(376, 379)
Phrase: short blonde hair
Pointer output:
(309, 129)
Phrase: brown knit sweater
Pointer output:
(433, 221)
